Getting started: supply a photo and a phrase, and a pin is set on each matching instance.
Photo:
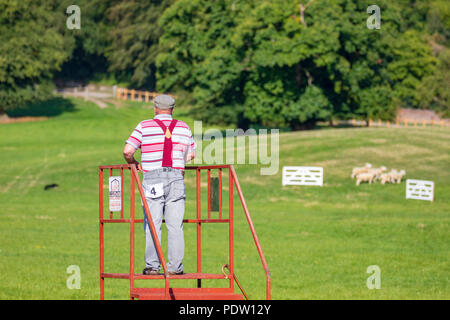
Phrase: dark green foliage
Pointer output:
(87, 59)
(438, 20)
(118, 39)
(262, 61)
(31, 48)
(411, 61)
(133, 42)
(197, 56)
(247, 63)
(435, 90)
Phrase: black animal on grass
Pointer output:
(50, 186)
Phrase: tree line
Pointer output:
(271, 63)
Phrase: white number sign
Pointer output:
(302, 176)
(115, 193)
(419, 189)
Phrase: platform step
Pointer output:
(186, 294)
(139, 276)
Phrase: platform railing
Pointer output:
(253, 231)
(153, 232)
(135, 180)
(233, 180)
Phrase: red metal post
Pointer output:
(100, 202)
(199, 229)
(220, 193)
(209, 193)
(121, 192)
(153, 230)
(110, 212)
(252, 229)
(132, 204)
(230, 217)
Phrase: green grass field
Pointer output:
(318, 241)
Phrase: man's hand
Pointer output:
(128, 154)
(189, 156)
(138, 166)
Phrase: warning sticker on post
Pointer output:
(115, 194)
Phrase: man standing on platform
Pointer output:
(166, 145)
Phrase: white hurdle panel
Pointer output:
(302, 176)
(419, 189)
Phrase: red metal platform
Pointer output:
(139, 276)
(167, 292)
(186, 294)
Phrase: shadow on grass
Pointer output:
(49, 108)
(337, 126)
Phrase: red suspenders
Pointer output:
(168, 145)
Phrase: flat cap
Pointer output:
(164, 102)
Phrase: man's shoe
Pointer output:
(150, 271)
(171, 273)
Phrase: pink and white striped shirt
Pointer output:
(149, 136)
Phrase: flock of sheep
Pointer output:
(369, 174)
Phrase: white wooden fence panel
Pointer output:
(302, 176)
(419, 189)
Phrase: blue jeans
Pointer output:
(165, 194)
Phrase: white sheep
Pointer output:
(377, 172)
(365, 177)
(359, 170)
(393, 176)
(396, 177)
(386, 177)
